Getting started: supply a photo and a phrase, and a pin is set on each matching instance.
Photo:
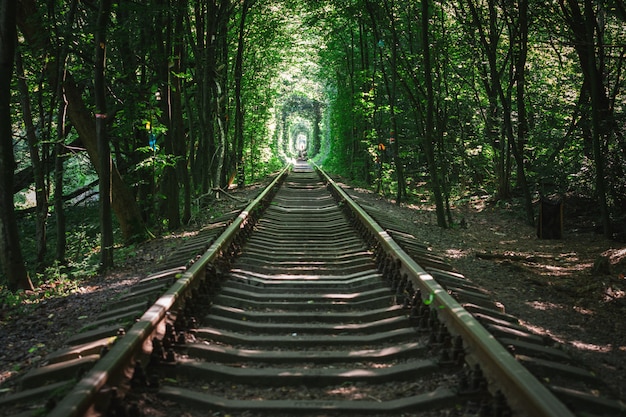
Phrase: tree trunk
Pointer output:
(180, 148)
(518, 34)
(10, 250)
(41, 194)
(583, 24)
(599, 114)
(220, 151)
(239, 116)
(104, 151)
(220, 98)
(170, 207)
(58, 152)
(522, 124)
(490, 74)
(391, 91)
(391, 83)
(205, 59)
(430, 114)
(59, 171)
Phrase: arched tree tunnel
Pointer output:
(300, 133)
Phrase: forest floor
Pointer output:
(571, 289)
(551, 285)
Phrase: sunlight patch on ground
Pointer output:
(187, 234)
(542, 331)
(584, 311)
(615, 255)
(569, 256)
(508, 242)
(580, 345)
(174, 236)
(456, 253)
(611, 294)
(350, 392)
(544, 305)
(541, 263)
(556, 270)
(358, 189)
(420, 207)
(479, 203)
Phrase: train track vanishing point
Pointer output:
(303, 304)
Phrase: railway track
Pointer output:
(302, 304)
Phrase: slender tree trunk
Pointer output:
(239, 112)
(391, 82)
(205, 57)
(41, 194)
(391, 91)
(58, 152)
(104, 151)
(599, 114)
(518, 155)
(443, 85)
(206, 145)
(180, 148)
(430, 114)
(488, 38)
(522, 124)
(59, 171)
(353, 134)
(518, 31)
(220, 95)
(170, 206)
(584, 26)
(220, 151)
(10, 250)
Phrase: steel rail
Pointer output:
(78, 401)
(524, 392)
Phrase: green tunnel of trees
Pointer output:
(161, 105)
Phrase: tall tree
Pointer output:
(104, 151)
(239, 110)
(429, 133)
(41, 190)
(521, 55)
(220, 94)
(165, 63)
(10, 249)
(177, 122)
(587, 29)
(491, 65)
(391, 89)
(205, 47)
(59, 149)
(390, 76)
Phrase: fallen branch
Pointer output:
(242, 200)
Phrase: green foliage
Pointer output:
(56, 282)
(341, 74)
(79, 172)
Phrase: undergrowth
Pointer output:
(56, 279)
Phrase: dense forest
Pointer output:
(148, 110)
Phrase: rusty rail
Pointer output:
(522, 390)
(116, 361)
